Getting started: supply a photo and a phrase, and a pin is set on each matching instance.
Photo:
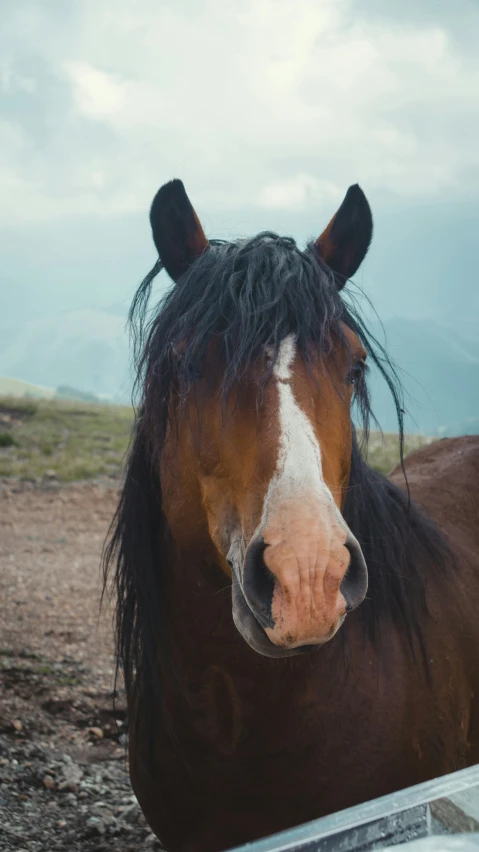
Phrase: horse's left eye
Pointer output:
(356, 373)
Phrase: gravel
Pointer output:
(64, 781)
(50, 802)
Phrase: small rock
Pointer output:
(131, 814)
(71, 799)
(96, 732)
(17, 724)
(95, 825)
(71, 775)
(61, 823)
(49, 782)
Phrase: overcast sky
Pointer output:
(267, 109)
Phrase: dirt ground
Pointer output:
(63, 779)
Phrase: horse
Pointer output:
(297, 633)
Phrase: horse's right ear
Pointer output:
(177, 233)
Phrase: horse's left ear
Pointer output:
(177, 233)
(344, 243)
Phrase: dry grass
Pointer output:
(68, 440)
(75, 441)
(383, 449)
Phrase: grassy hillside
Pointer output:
(383, 449)
(17, 388)
(74, 440)
(62, 440)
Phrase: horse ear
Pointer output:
(344, 243)
(177, 233)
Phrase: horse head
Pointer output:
(255, 456)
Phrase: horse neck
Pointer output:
(198, 597)
(205, 641)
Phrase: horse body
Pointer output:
(250, 532)
(274, 743)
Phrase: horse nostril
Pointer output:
(258, 583)
(355, 582)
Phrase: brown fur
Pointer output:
(260, 743)
(273, 743)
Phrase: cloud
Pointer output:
(298, 192)
(11, 82)
(96, 94)
(253, 103)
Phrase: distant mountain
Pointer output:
(85, 349)
(89, 350)
(470, 426)
(439, 370)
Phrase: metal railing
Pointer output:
(446, 806)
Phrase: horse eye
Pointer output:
(356, 373)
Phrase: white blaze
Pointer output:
(298, 467)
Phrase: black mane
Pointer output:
(247, 294)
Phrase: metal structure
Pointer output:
(436, 810)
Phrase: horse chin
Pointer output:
(252, 632)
